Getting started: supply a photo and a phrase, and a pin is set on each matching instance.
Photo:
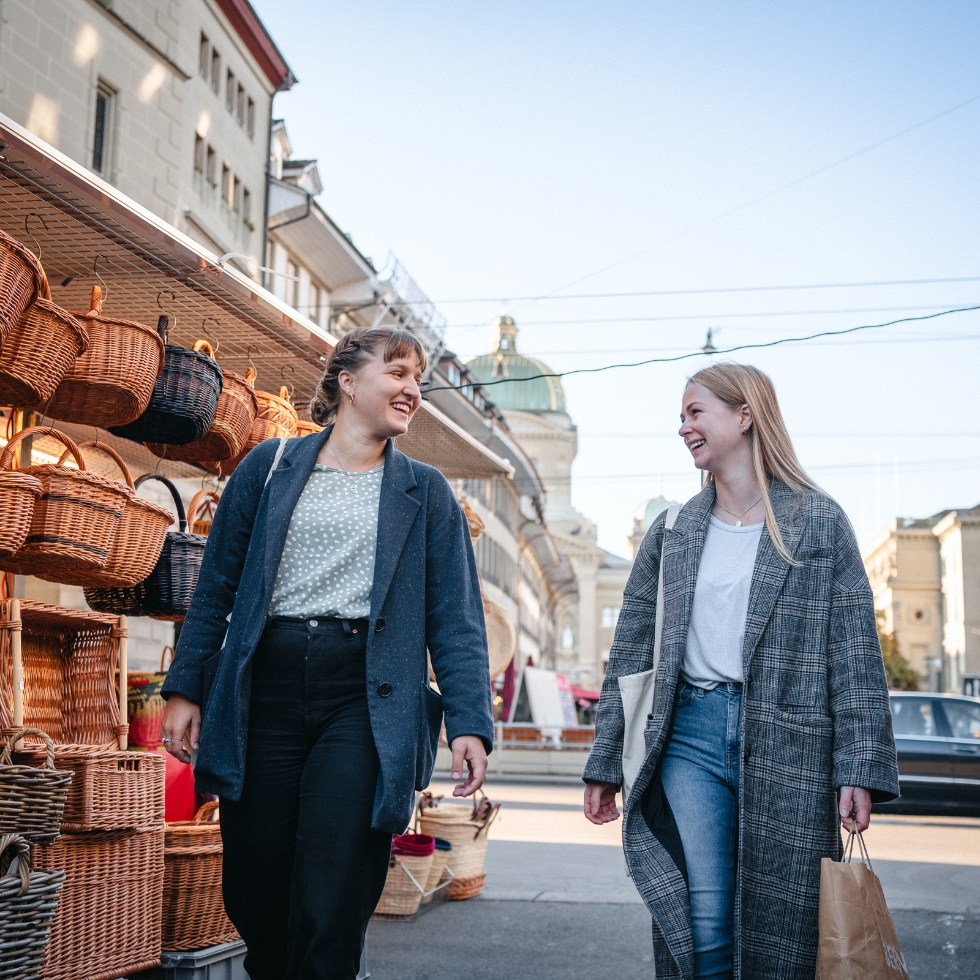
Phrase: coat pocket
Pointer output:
(428, 737)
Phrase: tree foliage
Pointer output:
(898, 671)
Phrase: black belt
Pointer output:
(349, 626)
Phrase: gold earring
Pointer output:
(350, 395)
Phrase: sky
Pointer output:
(509, 151)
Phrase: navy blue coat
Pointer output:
(426, 595)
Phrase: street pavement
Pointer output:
(558, 904)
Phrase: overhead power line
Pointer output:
(702, 353)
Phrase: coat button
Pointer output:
(379, 624)
(746, 756)
(384, 690)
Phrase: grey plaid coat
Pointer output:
(815, 717)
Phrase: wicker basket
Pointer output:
(70, 659)
(306, 428)
(38, 351)
(145, 705)
(137, 544)
(28, 903)
(276, 418)
(437, 872)
(405, 885)
(460, 889)
(20, 279)
(32, 798)
(185, 398)
(112, 382)
(110, 790)
(108, 922)
(464, 826)
(18, 495)
(194, 914)
(75, 519)
(230, 430)
(200, 511)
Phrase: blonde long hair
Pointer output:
(772, 449)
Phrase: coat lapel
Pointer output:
(771, 568)
(396, 515)
(285, 487)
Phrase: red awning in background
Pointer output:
(584, 695)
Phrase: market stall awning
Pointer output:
(88, 233)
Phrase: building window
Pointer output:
(246, 206)
(238, 194)
(610, 616)
(200, 153)
(230, 91)
(204, 58)
(212, 167)
(215, 72)
(241, 106)
(227, 184)
(292, 285)
(250, 119)
(104, 104)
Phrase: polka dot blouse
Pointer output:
(327, 566)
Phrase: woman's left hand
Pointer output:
(469, 748)
(855, 808)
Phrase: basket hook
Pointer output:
(215, 344)
(95, 272)
(282, 374)
(40, 217)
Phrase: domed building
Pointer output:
(535, 409)
(645, 515)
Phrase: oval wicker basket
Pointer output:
(464, 826)
(200, 511)
(32, 800)
(185, 398)
(275, 418)
(230, 430)
(38, 351)
(138, 542)
(194, 914)
(18, 495)
(75, 518)
(112, 382)
(20, 279)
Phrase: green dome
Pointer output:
(651, 509)
(536, 395)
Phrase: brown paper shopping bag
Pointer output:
(857, 938)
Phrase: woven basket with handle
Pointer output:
(75, 518)
(112, 382)
(185, 397)
(464, 826)
(32, 798)
(145, 705)
(405, 885)
(28, 903)
(200, 511)
(18, 495)
(304, 427)
(108, 921)
(276, 418)
(38, 351)
(232, 425)
(193, 910)
(137, 544)
(20, 279)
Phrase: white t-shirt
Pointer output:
(713, 654)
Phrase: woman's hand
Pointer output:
(600, 803)
(181, 723)
(469, 748)
(855, 808)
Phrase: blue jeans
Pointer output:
(699, 773)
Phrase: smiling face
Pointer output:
(386, 395)
(713, 431)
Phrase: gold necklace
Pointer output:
(738, 517)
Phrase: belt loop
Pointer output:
(347, 630)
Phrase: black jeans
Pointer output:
(303, 870)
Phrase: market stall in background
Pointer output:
(136, 370)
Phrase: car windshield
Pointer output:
(913, 716)
(964, 718)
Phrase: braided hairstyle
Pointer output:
(352, 352)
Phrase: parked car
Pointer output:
(938, 740)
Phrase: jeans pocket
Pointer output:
(686, 694)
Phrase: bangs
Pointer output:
(400, 343)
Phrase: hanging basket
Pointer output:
(304, 427)
(200, 511)
(112, 382)
(18, 495)
(194, 914)
(138, 542)
(75, 518)
(167, 592)
(20, 280)
(38, 351)
(230, 430)
(145, 705)
(276, 418)
(28, 904)
(32, 800)
(185, 398)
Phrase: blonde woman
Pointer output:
(770, 723)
